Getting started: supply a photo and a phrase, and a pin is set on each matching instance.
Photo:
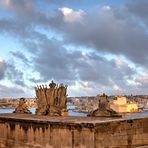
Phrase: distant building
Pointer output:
(121, 105)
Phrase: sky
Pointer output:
(94, 47)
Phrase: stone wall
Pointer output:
(30, 131)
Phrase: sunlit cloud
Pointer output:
(93, 47)
(72, 16)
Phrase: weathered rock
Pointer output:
(104, 109)
(51, 100)
(22, 107)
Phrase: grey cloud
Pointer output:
(54, 61)
(11, 92)
(3, 68)
(138, 7)
(20, 56)
(142, 81)
(98, 69)
(34, 80)
(103, 30)
(15, 75)
(106, 32)
(21, 8)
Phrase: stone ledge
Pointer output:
(57, 132)
(87, 122)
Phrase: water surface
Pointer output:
(71, 111)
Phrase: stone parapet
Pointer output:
(33, 131)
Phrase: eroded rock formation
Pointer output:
(103, 109)
(51, 100)
(22, 107)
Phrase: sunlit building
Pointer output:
(121, 105)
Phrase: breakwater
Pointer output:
(32, 131)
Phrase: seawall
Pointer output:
(31, 131)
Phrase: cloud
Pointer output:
(71, 16)
(14, 75)
(19, 55)
(104, 30)
(138, 8)
(85, 88)
(5, 3)
(89, 71)
(20, 8)
(54, 61)
(11, 92)
(3, 68)
(142, 80)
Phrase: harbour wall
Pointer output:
(30, 131)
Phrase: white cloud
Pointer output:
(116, 88)
(142, 79)
(1, 60)
(81, 88)
(118, 61)
(106, 8)
(71, 16)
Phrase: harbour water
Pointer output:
(71, 112)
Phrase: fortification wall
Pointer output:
(30, 131)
